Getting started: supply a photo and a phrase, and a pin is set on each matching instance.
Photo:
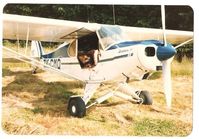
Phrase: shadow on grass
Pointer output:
(47, 98)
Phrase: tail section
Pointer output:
(36, 53)
(36, 50)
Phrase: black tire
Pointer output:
(146, 97)
(34, 72)
(77, 107)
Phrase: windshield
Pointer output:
(109, 35)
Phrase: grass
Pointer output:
(159, 127)
(35, 105)
(185, 68)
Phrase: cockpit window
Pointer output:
(109, 35)
(150, 51)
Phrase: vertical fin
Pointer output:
(36, 53)
(36, 49)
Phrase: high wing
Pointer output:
(53, 30)
(43, 29)
(173, 36)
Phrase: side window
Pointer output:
(150, 51)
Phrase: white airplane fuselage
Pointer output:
(112, 64)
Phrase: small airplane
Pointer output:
(96, 53)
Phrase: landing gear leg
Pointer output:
(140, 97)
(77, 105)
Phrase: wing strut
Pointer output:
(27, 38)
(18, 38)
(188, 41)
(39, 64)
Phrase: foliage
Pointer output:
(177, 17)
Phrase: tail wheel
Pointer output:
(34, 71)
(77, 107)
(146, 98)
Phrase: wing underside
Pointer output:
(173, 36)
(17, 27)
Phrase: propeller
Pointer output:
(166, 66)
(166, 54)
(166, 69)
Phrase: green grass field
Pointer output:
(36, 104)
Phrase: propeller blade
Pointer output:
(166, 65)
(166, 70)
(163, 24)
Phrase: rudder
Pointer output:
(36, 53)
(36, 50)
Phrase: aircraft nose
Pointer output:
(165, 52)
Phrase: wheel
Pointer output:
(77, 107)
(146, 98)
(34, 72)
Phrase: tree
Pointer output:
(177, 17)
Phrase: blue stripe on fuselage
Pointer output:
(102, 60)
(111, 59)
(131, 43)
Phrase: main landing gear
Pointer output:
(77, 105)
(146, 98)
